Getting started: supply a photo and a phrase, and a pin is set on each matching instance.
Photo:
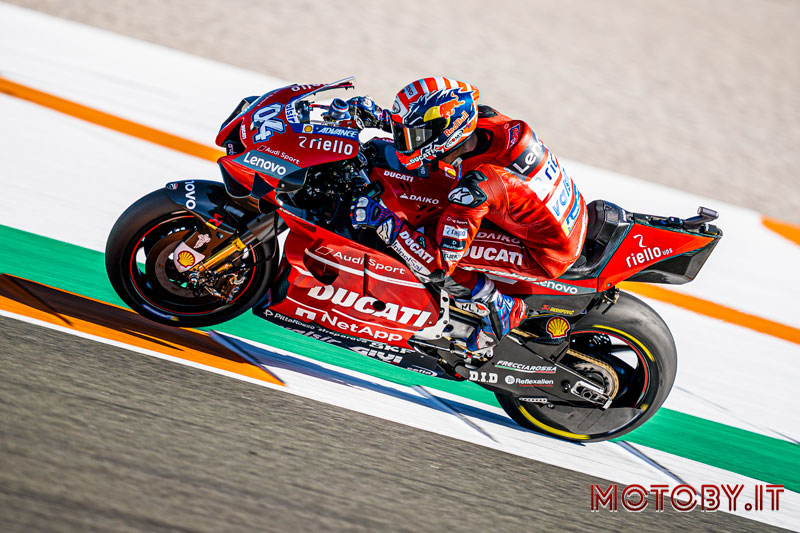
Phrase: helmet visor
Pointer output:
(410, 138)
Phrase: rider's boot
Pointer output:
(505, 313)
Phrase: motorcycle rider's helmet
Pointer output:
(430, 117)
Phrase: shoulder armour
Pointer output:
(468, 192)
(525, 153)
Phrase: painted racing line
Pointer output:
(123, 327)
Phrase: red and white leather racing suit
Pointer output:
(514, 181)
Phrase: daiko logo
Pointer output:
(648, 253)
(423, 199)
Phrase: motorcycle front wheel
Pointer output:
(139, 264)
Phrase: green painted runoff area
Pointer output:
(82, 271)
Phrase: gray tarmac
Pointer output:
(97, 438)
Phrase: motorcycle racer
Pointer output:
(275, 237)
(503, 173)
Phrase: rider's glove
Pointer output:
(368, 212)
(368, 114)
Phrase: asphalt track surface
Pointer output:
(98, 438)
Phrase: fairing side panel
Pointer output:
(352, 289)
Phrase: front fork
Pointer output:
(262, 229)
(210, 202)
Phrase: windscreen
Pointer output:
(313, 108)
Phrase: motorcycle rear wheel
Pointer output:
(631, 338)
(140, 267)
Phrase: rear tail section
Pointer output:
(662, 249)
(620, 246)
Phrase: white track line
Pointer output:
(441, 403)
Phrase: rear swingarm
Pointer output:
(517, 369)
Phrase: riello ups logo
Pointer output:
(646, 254)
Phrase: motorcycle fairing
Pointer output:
(396, 355)
(650, 242)
(278, 142)
(349, 288)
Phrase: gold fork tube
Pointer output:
(210, 262)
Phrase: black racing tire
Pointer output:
(153, 223)
(643, 388)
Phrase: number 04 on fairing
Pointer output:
(589, 363)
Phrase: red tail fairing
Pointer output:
(646, 246)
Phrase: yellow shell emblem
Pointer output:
(185, 259)
(557, 327)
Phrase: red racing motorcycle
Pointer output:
(589, 363)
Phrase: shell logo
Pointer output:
(557, 327)
(185, 259)
(308, 129)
